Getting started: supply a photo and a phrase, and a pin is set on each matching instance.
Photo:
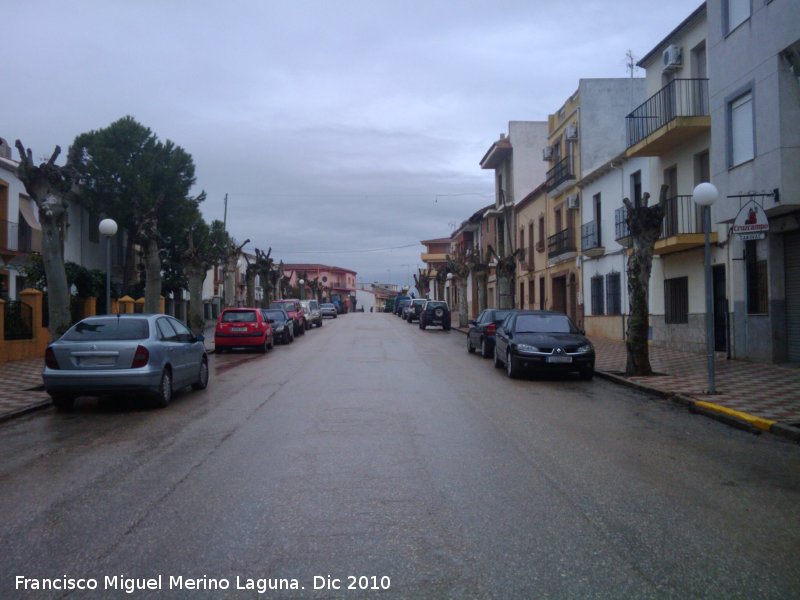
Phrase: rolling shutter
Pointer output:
(791, 246)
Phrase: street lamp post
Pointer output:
(302, 283)
(704, 195)
(108, 228)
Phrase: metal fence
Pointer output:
(18, 321)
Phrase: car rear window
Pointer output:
(275, 314)
(436, 305)
(239, 316)
(112, 328)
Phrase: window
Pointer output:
(522, 242)
(531, 294)
(94, 228)
(521, 294)
(541, 293)
(598, 215)
(540, 244)
(597, 295)
(741, 146)
(530, 248)
(757, 284)
(613, 294)
(676, 300)
(735, 13)
(636, 188)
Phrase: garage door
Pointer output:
(791, 245)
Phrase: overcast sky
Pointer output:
(344, 132)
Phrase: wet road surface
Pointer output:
(371, 448)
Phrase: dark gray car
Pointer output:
(534, 340)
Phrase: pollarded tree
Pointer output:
(505, 268)
(205, 248)
(422, 281)
(51, 186)
(130, 175)
(458, 264)
(644, 223)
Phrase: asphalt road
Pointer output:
(372, 449)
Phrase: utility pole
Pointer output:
(224, 264)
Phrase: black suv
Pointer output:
(435, 312)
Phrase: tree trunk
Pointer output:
(463, 316)
(58, 296)
(250, 280)
(645, 228)
(152, 286)
(505, 291)
(481, 291)
(196, 274)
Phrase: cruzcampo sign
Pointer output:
(751, 223)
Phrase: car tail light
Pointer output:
(50, 359)
(140, 357)
(491, 328)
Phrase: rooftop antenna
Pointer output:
(630, 63)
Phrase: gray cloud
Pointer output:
(332, 126)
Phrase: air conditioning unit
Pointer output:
(547, 153)
(672, 58)
(573, 201)
(572, 131)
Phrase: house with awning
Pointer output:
(21, 233)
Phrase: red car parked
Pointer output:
(242, 327)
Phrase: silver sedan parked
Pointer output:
(155, 354)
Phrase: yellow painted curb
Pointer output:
(758, 422)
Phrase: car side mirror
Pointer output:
(473, 322)
(270, 320)
(198, 338)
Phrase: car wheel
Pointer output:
(484, 348)
(320, 323)
(63, 402)
(218, 349)
(202, 377)
(164, 396)
(334, 316)
(497, 362)
(422, 325)
(587, 374)
(512, 370)
(446, 327)
(470, 349)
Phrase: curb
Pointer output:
(23, 411)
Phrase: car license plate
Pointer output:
(559, 359)
(238, 329)
(96, 361)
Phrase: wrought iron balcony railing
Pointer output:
(561, 243)
(679, 98)
(590, 236)
(622, 232)
(681, 215)
(561, 172)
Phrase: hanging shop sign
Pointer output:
(751, 223)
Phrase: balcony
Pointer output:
(622, 233)
(674, 114)
(561, 246)
(560, 176)
(17, 239)
(681, 229)
(590, 240)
